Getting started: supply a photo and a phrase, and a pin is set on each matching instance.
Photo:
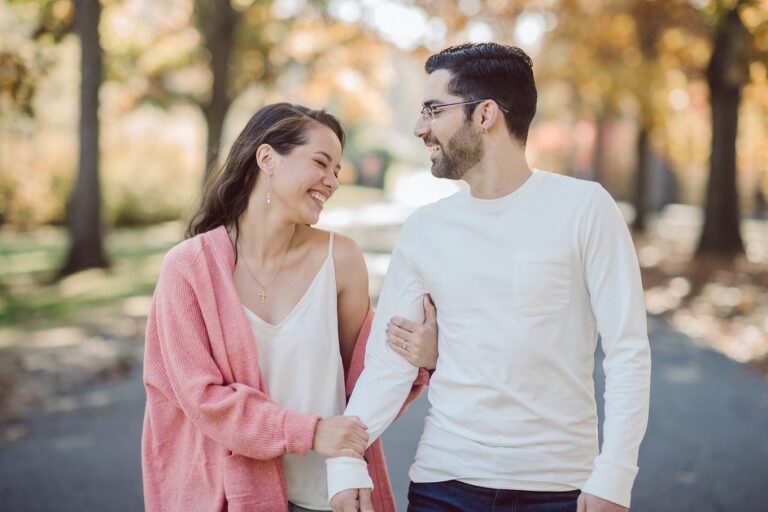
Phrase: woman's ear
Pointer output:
(265, 158)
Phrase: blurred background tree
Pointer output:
(615, 62)
(238, 45)
(84, 218)
(623, 88)
(54, 19)
(739, 38)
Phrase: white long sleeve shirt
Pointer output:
(522, 285)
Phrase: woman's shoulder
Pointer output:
(347, 254)
(344, 248)
(182, 256)
(350, 263)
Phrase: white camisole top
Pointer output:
(301, 365)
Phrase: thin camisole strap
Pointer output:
(330, 245)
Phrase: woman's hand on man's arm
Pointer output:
(417, 343)
(340, 436)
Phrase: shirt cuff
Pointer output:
(611, 481)
(347, 473)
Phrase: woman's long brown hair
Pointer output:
(283, 126)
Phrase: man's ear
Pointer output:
(489, 113)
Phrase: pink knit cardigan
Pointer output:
(213, 438)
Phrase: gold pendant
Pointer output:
(263, 295)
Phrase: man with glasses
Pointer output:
(525, 269)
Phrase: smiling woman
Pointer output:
(257, 330)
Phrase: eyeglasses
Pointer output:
(428, 112)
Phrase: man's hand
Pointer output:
(347, 501)
(589, 503)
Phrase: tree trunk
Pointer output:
(217, 20)
(214, 113)
(598, 152)
(84, 219)
(649, 28)
(726, 75)
(640, 195)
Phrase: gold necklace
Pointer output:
(263, 293)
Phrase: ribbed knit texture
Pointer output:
(212, 437)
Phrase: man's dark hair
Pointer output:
(494, 71)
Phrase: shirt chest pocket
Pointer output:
(542, 281)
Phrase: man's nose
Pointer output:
(421, 128)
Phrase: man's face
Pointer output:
(455, 144)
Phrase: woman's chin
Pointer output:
(310, 218)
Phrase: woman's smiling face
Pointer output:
(304, 179)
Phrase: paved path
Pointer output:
(706, 449)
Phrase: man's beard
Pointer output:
(463, 151)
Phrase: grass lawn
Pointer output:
(28, 261)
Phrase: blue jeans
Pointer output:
(455, 496)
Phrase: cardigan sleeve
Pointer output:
(237, 416)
